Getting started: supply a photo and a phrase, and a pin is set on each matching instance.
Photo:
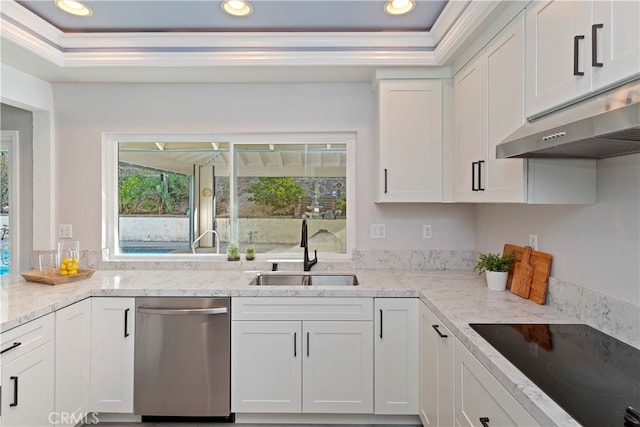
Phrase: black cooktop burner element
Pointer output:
(591, 375)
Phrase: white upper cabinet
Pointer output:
(489, 100)
(470, 124)
(410, 141)
(617, 41)
(575, 47)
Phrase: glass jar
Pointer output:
(68, 257)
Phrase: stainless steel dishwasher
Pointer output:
(182, 357)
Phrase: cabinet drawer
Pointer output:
(480, 396)
(24, 338)
(301, 308)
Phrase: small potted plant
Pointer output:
(496, 268)
(232, 253)
(250, 255)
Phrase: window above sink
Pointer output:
(192, 195)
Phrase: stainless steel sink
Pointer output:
(304, 280)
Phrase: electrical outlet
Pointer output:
(533, 241)
(65, 231)
(377, 231)
(426, 231)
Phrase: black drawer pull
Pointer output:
(473, 176)
(576, 45)
(594, 45)
(484, 421)
(438, 331)
(126, 322)
(15, 391)
(385, 181)
(480, 162)
(295, 344)
(380, 323)
(15, 344)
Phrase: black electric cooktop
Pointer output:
(591, 375)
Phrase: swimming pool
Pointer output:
(146, 250)
(3, 268)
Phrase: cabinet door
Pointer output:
(73, 364)
(410, 141)
(551, 28)
(112, 350)
(337, 374)
(428, 370)
(616, 42)
(504, 61)
(266, 363)
(27, 389)
(396, 351)
(437, 358)
(479, 396)
(470, 132)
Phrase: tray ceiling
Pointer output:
(268, 15)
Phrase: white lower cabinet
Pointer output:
(337, 367)
(266, 373)
(112, 350)
(73, 363)
(27, 374)
(309, 355)
(480, 400)
(396, 356)
(436, 396)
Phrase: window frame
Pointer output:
(110, 212)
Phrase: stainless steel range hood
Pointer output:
(606, 125)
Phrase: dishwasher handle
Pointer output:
(182, 311)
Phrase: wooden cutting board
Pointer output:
(522, 275)
(541, 263)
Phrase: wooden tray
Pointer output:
(36, 276)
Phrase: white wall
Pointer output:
(596, 247)
(83, 111)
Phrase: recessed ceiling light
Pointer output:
(399, 7)
(74, 7)
(237, 7)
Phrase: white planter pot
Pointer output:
(497, 280)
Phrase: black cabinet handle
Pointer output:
(594, 45)
(385, 181)
(307, 344)
(576, 45)
(438, 331)
(473, 176)
(480, 162)
(126, 322)
(295, 344)
(380, 323)
(15, 344)
(15, 391)
(484, 421)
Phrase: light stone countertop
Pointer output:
(456, 297)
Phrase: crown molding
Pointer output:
(449, 36)
(197, 49)
(473, 16)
